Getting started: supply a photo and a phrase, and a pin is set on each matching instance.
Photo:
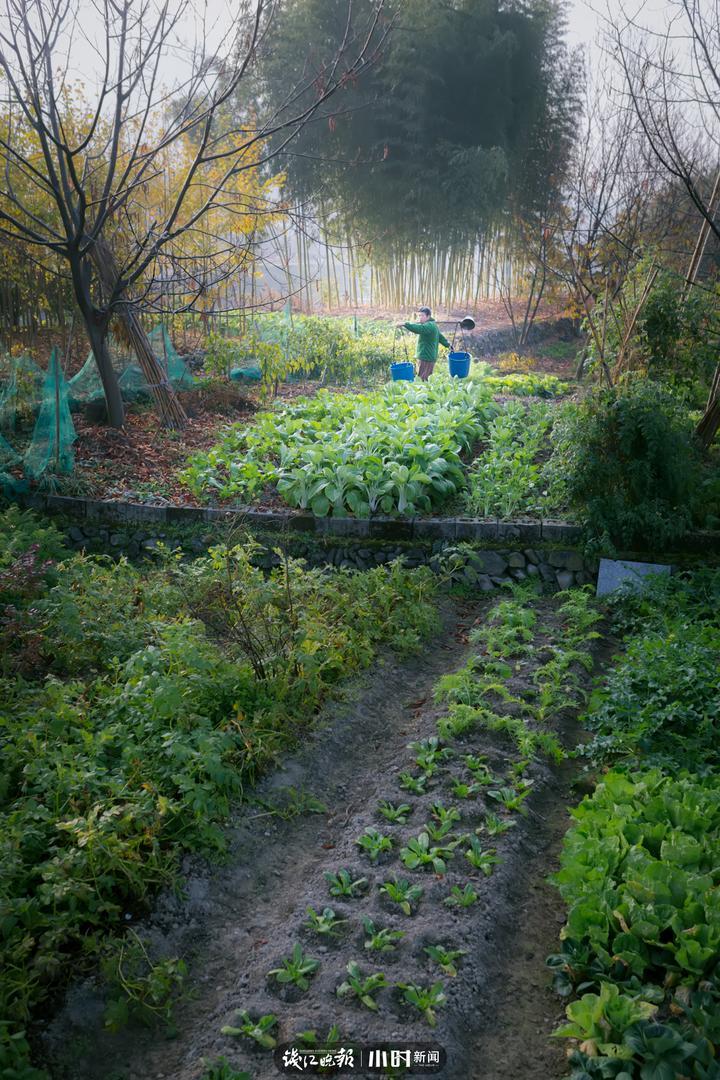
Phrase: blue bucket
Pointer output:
(402, 370)
(459, 363)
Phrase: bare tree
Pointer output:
(74, 188)
(672, 86)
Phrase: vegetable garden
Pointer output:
(330, 743)
(142, 704)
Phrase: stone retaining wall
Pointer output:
(484, 553)
(139, 515)
(465, 563)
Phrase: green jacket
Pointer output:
(429, 337)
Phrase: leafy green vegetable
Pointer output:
(381, 939)
(257, 1030)
(446, 959)
(420, 854)
(296, 968)
(402, 893)
(426, 999)
(343, 884)
(397, 450)
(361, 986)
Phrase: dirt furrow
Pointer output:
(239, 921)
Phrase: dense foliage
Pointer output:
(331, 350)
(673, 337)
(467, 107)
(628, 465)
(135, 706)
(639, 867)
(506, 479)
(395, 450)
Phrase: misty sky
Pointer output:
(586, 17)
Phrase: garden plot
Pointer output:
(460, 788)
(395, 450)
(402, 450)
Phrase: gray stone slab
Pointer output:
(616, 572)
(558, 532)
(520, 531)
(344, 526)
(434, 529)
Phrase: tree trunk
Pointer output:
(708, 427)
(171, 411)
(97, 336)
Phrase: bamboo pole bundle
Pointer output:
(169, 407)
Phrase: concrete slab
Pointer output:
(614, 573)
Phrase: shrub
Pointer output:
(675, 335)
(627, 465)
(680, 332)
(21, 529)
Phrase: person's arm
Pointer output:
(444, 341)
(414, 327)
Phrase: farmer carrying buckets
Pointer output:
(429, 337)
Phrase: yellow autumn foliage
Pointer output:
(226, 206)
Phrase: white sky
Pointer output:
(585, 19)
(209, 20)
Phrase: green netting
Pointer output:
(246, 374)
(8, 456)
(51, 447)
(21, 392)
(87, 385)
(27, 391)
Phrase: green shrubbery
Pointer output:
(626, 464)
(675, 335)
(310, 346)
(506, 478)
(135, 706)
(661, 704)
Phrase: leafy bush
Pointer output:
(28, 550)
(661, 703)
(679, 332)
(312, 346)
(395, 450)
(675, 336)
(221, 355)
(626, 463)
(21, 529)
(666, 599)
(515, 362)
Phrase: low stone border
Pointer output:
(375, 528)
(425, 530)
(472, 567)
